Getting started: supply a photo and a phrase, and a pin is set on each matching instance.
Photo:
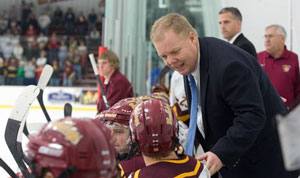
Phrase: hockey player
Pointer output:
(154, 128)
(117, 120)
(72, 148)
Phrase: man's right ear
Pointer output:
(193, 37)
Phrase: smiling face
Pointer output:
(179, 52)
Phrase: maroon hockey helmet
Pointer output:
(119, 112)
(153, 126)
(80, 146)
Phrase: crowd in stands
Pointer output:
(61, 39)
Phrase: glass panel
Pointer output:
(191, 9)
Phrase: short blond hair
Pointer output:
(111, 57)
(178, 23)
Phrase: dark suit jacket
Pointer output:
(238, 104)
(242, 42)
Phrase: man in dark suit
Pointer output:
(230, 21)
(236, 98)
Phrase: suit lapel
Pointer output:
(238, 39)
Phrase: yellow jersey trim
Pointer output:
(186, 159)
(122, 173)
(136, 174)
(192, 173)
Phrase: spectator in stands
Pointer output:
(116, 84)
(81, 25)
(20, 73)
(57, 17)
(44, 22)
(15, 27)
(69, 74)
(73, 44)
(94, 37)
(4, 19)
(2, 68)
(62, 53)
(280, 64)
(7, 50)
(32, 21)
(31, 33)
(69, 21)
(53, 45)
(92, 19)
(11, 77)
(74, 57)
(55, 78)
(2, 28)
(13, 13)
(6, 38)
(82, 49)
(18, 51)
(42, 60)
(101, 6)
(15, 38)
(42, 41)
(30, 50)
(29, 72)
(26, 10)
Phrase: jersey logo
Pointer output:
(170, 116)
(137, 112)
(286, 68)
(67, 128)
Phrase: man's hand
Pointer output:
(283, 99)
(213, 163)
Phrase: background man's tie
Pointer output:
(193, 117)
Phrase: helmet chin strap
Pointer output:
(132, 151)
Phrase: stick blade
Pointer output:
(45, 77)
(23, 102)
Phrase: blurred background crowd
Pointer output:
(62, 39)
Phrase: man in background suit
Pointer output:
(230, 21)
(236, 98)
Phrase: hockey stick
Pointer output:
(19, 137)
(103, 93)
(9, 171)
(17, 115)
(68, 110)
(42, 83)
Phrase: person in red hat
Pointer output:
(115, 84)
